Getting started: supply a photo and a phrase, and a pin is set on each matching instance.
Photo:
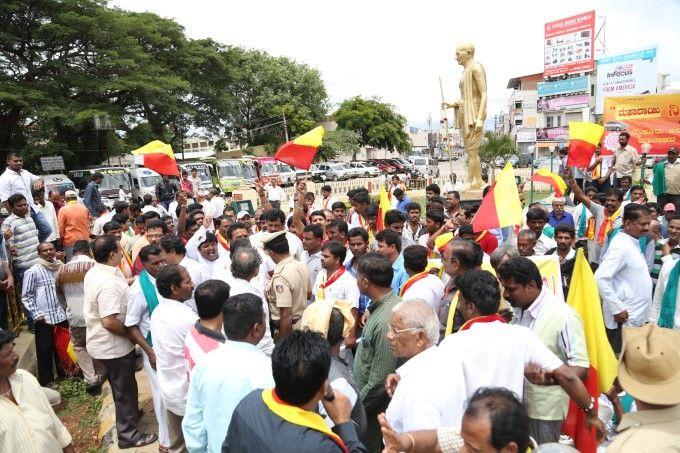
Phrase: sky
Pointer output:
(397, 50)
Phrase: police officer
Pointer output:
(289, 288)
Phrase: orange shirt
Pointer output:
(74, 223)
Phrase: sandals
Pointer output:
(144, 439)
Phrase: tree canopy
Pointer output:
(377, 123)
(65, 63)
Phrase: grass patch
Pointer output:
(80, 414)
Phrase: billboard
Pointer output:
(563, 102)
(552, 134)
(573, 85)
(625, 75)
(568, 45)
(652, 118)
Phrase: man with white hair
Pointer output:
(558, 214)
(413, 334)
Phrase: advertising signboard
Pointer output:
(568, 45)
(526, 136)
(652, 118)
(563, 102)
(627, 74)
(551, 134)
(573, 85)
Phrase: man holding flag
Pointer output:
(559, 328)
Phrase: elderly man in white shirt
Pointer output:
(413, 335)
(536, 220)
(623, 276)
(245, 266)
(665, 310)
(170, 322)
(421, 284)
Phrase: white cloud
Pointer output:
(396, 50)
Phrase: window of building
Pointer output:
(204, 144)
(194, 145)
(518, 122)
(518, 104)
(559, 120)
(548, 121)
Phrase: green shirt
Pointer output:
(374, 360)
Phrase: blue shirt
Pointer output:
(217, 384)
(566, 218)
(92, 198)
(403, 204)
(363, 299)
(400, 275)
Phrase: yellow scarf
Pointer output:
(452, 314)
(299, 416)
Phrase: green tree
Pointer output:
(495, 146)
(339, 141)
(377, 123)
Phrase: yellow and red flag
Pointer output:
(583, 139)
(157, 156)
(555, 180)
(585, 300)
(300, 152)
(501, 206)
(384, 206)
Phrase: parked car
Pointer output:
(383, 166)
(426, 166)
(544, 162)
(406, 163)
(329, 171)
(399, 167)
(365, 169)
(352, 171)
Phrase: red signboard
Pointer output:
(569, 45)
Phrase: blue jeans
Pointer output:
(41, 223)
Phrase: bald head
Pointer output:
(418, 314)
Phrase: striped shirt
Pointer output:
(200, 341)
(658, 264)
(30, 426)
(24, 239)
(39, 294)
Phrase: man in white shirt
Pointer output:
(174, 252)
(217, 386)
(536, 220)
(195, 181)
(276, 221)
(421, 284)
(143, 300)
(170, 323)
(623, 276)
(105, 304)
(327, 198)
(413, 335)
(560, 329)
(275, 193)
(104, 216)
(312, 237)
(17, 180)
(496, 354)
(625, 159)
(245, 264)
(413, 227)
(46, 208)
(216, 202)
(334, 282)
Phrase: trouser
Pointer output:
(668, 198)
(615, 339)
(93, 371)
(158, 405)
(4, 311)
(18, 285)
(545, 431)
(121, 374)
(46, 352)
(374, 439)
(41, 223)
(175, 431)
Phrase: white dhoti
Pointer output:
(158, 405)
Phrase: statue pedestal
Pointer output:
(468, 197)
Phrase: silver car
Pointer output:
(364, 169)
(329, 171)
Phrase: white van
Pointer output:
(426, 166)
(144, 181)
(59, 182)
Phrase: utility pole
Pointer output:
(285, 126)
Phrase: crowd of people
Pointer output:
(328, 329)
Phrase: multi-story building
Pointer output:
(522, 118)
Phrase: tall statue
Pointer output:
(470, 111)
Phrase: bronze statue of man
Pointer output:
(470, 111)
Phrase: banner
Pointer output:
(548, 266)
(551, 134)
(627, 74)
(652, 118)
(573, 85)
(563, 102)
(569, 45)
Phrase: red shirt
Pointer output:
(487, 242)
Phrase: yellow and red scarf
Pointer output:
(126, 264)
(299, 416)
(320, 295)
(606, 227)
(480, 319)
(411, 280)
(223, 242)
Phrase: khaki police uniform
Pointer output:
(655, 430)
